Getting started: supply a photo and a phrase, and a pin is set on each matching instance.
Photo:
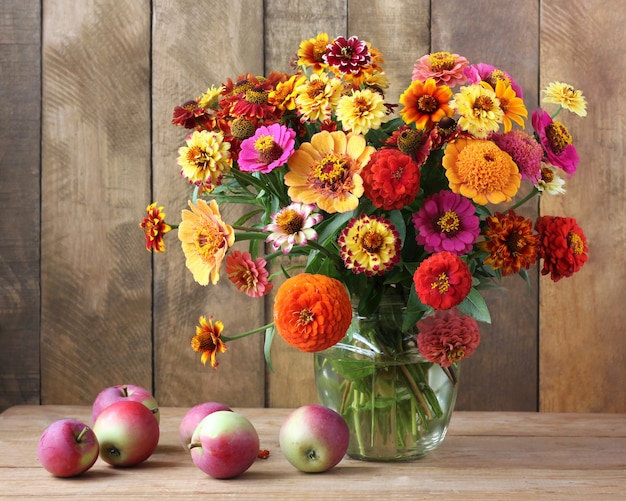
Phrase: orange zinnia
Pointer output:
(312, 312)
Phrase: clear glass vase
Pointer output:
(396, 403)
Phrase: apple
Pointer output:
(124, 392)
(224, 444)
(193, 417)
(127, 432)
(314, 438)
(68, 447)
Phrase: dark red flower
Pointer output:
(348, 55)
(562, 246)
(442, 281)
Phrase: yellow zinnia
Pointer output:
(205, 238)
(479, 108)
(326, 171)
(361, 111)
(205, 159)
(567, 97)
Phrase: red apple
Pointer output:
(127, 432)
(67, 447)
(193, 417)
(314, 438)
(224, 444)
(124, 392)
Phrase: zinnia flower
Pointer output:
(446, 222)
(205, 239)
(311, 52)
(446, 337)
(369, 245)
(361, 111)
(205, 159)
(524, 150)
(442, 281)
(486, 73)
(326, 171)
(567, 97)
(550, 182)
(154, 227)
(270, 147)
(207, 340)
(249, 275)
(312, 312)
(512, 105)
(425, 103)
(445, 68)
(562, 246)
(292, 225)
(556, 141)
(510, 242)
(347, 55)
(391, 179)
(479, 170)
(479, 109)
(317, 97)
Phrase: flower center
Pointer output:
(203, 341)
(305, 317)
(441, 283)
(449, 222)
(242, 86)
(361, 106)
(347, 52)
(319, 49)
(372, 241)
(199, 157)
(496, 76)
(330, 170)
(409, 141)
(242, 128)
(289, 221)
(315, 88)
(208, 240)
(547, 175)
(268, 149)
(456, 354)
(483, 105)
(256, 96)
(427, 104)
(515, 243)
(440, 61)
(575, 243)
(558, 136)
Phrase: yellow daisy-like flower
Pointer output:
(311, 52)
(326, 171)
(567, 97)
(361, 111)
(210, 98)
(479, 170)
(479, 108)
(284, 96)
(154, 227)
(425, 103)
(207, 340)
(317, 97)
(205, 238)
(512, 106)
(205, 159)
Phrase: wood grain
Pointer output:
(95, 182)
(20, 171)
(583, 350)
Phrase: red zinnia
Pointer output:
(442, 281)
(562, 245)
(391, 179)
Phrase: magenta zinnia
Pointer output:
(556, 141)
(524, 150)
(446, 222)
(249, 275)
(369, 245)
(270, 147)
(292, 225)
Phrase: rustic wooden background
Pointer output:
(87, 89)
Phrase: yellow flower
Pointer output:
(205, 159)
(210, 98)
(326, 171)
(361, 111)
(512, 106)
(205, 239)
(567, 97)
(207, 340)
(425, 103)
(311, 52)
(317, 98)
(479, 108)
(479, 170)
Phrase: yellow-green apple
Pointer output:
(224, 444)
(127, 432)
(68, 447)
(192, 418)
(124, 392)
(314, 438)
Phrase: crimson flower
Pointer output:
(562, 246)
(442, 281)
(347, 55)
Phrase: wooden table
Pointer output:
(501, 456)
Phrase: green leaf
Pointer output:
(475, 306)
(267, 346)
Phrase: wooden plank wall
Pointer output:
(83, 305)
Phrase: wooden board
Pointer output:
(20, 170)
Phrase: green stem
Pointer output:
(248, 333)
(532, 193)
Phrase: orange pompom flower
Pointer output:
(312, 312)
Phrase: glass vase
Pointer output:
(397, 404)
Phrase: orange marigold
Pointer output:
(312, 312)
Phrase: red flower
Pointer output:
(391, 179)
(447, 337)
(442, 281)
(562, 246)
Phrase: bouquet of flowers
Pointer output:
(375, 199)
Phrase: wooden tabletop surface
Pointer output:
(486, 455)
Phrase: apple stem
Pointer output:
(311, 454)
(193, 445)
(125, 390)
(80, 436)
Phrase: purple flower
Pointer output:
(556, 141)
(446, 222)
(525, 151)
(270, 147)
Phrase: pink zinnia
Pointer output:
(249, 275)
(347, 55)
(446, 337)
(556, 141)
(447, 222)
(482, 72)
(445, 68)
(524, 150)
(270, 147)
(442, 281)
